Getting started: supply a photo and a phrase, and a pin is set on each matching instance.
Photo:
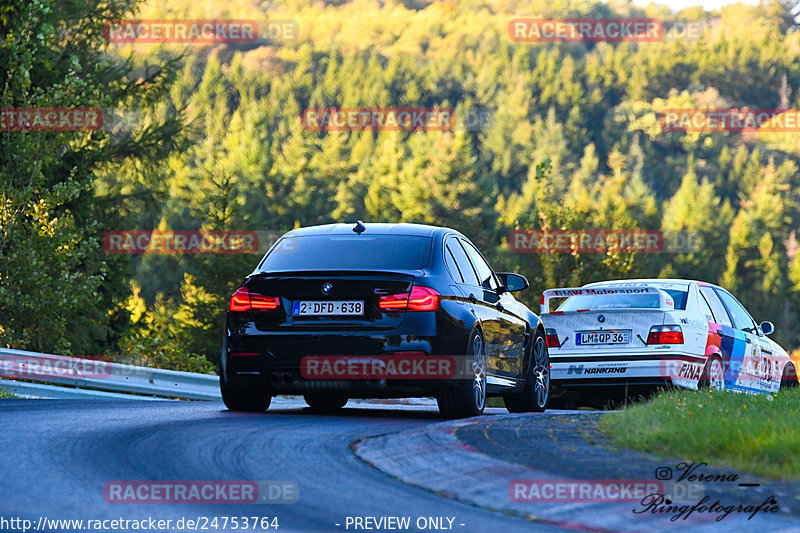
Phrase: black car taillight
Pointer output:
(245, 300)
(665, 335)
(551, 338)
(419, 299)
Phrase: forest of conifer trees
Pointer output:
(209, 137)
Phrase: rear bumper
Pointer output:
(643, 370)
(275, 358)
(287, 382)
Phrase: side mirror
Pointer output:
(767, 328)
(513, 282)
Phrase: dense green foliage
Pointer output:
(58, 288)
(573, 142)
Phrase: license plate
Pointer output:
(603, 337)
(328, 308)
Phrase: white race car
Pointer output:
(615, 339)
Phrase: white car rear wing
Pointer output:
(665, 300)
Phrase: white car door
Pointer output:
(759, 365)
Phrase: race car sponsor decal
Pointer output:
(745, 368)
(595, 291)
(682, 372)
(694, 322)
(765, 370)
(690, 371)
(598, 370)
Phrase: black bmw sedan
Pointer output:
(382, 311)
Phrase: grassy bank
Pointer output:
(6, 394)
(755, 434)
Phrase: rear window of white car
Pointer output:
(611, 301)
(678, 297)
(623, 301)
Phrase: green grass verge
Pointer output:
(5, 394)
(754, 434)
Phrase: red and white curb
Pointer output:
(432, 458)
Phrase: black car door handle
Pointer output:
(747, 340)
(499, 306)
(472, 298)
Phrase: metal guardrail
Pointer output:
(38, 390)
(83, 378)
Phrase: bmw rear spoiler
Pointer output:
(665, 301)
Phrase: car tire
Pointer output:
(534, 396)
(325, 402)
(468, 397)
(789, 377)
(713, 377)
(251, 399)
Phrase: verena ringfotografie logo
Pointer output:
(198, 31)
(395, 366)
(52, 367)
(687, 486)
(192, 491)
(50, 119)
(378, 119)
(730, 120)
(564, 30)
(569, 241)
(188, 241)
(582, 490)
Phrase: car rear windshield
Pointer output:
(678, 296)
(611, 301)
(623, 301)
(346, 252)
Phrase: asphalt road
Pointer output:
(570, 445)
(56, 457)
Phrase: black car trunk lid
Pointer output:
(304, 291)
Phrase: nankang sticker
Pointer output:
(612, 370)
(581, 370)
